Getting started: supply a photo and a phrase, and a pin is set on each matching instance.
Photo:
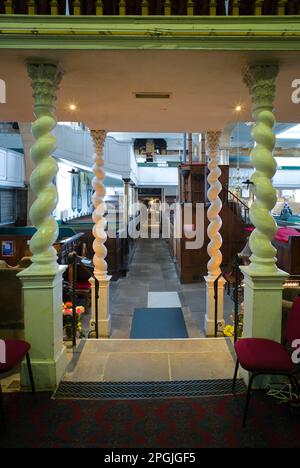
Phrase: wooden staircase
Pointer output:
(235, 215)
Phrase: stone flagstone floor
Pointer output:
(152, 271)
(151, 360)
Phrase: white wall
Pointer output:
(12, 172)
(158, 176)
(74, 145)
(288, 179)
(64, 187)
(120, 159)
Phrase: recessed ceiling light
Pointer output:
(72, 107)
(152, 95)
(238, 108)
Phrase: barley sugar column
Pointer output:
(214, 247)
(263, 280)
(42, 281)
(99, 232)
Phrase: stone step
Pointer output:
(151, 360)
(191, 345)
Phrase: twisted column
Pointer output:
(215, 244)
(215, 222)
(260, 79)
(99, 229)
(45, 81)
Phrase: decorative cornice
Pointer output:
(126, 32)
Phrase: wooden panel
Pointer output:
(192, 264)
(288, 255)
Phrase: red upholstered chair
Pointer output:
(15, 352)
(83, 287)
(260, 356)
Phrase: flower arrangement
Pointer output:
(67, 311)
(228, 330)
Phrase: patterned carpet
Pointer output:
(170, 423)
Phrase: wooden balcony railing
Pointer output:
(152, 7)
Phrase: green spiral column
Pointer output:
(45, 78)
(261, 79)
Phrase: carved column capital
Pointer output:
(98, 137)
(45, 78)
(261, 82)
(213, 141)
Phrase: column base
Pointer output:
(210, 305)
(43, 327)
(47, 373)
(263, 304)
(262, 310)
(104, 319)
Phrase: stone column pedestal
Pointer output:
(210, 305)
(263, 304)
(43, 323)
(104, 319)
(262, 310)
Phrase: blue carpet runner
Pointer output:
(158, 324)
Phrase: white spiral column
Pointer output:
(215, 221)
(42, 281)
(263, 280)
(213, 231)
(45, 81)
(99, 232)
(260, 80)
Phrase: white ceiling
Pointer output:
(206, 86)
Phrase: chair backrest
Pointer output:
(292, 331)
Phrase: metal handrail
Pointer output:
(244, 208)
(74, 259)
(236, 268)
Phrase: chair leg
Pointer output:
(30, 373)
(235, 375)
(2, 414)
(248, 398)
